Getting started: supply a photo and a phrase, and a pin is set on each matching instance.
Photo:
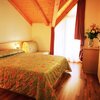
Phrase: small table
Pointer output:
(90, 60)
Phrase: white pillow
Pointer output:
(30, 46)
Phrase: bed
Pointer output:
(31, 74)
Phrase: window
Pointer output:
(65, 44)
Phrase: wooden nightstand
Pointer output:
(90, 60)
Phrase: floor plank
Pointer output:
(75, 85)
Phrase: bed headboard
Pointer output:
(10, 45)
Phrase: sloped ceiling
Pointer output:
(39, 11)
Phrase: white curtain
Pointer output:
(65, 44)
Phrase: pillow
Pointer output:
(30, 46)
(8, 52)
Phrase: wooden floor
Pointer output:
(79, 86)
(73, 86)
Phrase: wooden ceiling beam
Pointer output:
(20, 11)
(63, 2)
(56, 8)
(62, 14)
(46, 20)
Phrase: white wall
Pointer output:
(92, 13)
(12, 25)
(42, 35)
(92, 16)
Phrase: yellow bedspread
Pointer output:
(33, 75)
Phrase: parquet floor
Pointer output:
(75, 85)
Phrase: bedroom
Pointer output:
(14, 27)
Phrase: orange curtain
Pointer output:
(52, 41)
(79, 27)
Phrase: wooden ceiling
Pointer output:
(40, 11)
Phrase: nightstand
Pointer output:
(90, 60)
